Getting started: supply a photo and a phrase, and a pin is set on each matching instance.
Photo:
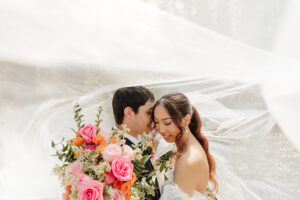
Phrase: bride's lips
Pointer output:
(166, 137)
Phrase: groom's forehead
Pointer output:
(148, 105)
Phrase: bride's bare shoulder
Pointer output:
(194, 158)
(192, 171)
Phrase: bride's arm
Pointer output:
(191, 174)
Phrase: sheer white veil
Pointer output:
(56, 53)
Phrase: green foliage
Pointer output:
(98, 120)
(209, 194)
(78, 116)
(163, 160)
(64, 151)
(142, 190)
(59, 171)
(74, 194)
(140, 167)
(162, 166)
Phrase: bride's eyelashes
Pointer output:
(166, 124)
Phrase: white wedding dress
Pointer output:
(171, 191)
(54, 53)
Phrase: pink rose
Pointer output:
(106, 134)
(82, 181)
(92, 190)
(128, 152)
(111, 152)
(117, 195)
(122, 168)
(90, 147)
(109, 178)
(88, 133)
(74, 168)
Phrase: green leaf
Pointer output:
(151, 174)
(65, 148)
(145, 159)
(52, 144)
(161, 168)
(73, 130)
(166, 178)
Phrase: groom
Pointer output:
(132, 106)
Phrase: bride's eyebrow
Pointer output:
(166, 118)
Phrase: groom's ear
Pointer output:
(128, 112)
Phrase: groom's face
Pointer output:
(142, 119)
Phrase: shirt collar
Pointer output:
(134, 140)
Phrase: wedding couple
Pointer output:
(178, 122)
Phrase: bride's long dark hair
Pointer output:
(178, 106)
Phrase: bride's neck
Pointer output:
(184, 141)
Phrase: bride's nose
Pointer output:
(161, 129)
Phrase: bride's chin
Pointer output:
(168, 139)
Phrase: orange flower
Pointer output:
(68, 189)
(66, 196)
(118, 184)
(99, 139)
(77, 141)
(101, 148)
(133, 179)
(125, 188)
(113, 141)
(78, 134)
(128, 195)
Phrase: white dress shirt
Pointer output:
(133, 139)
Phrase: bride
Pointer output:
(178, 121)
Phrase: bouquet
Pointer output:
(97, 164)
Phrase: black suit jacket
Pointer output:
(149, 167)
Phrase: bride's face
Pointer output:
(164, 124)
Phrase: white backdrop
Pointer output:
(53, 53)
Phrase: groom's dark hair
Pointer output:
(132, 97)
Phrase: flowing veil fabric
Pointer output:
(56, 53)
